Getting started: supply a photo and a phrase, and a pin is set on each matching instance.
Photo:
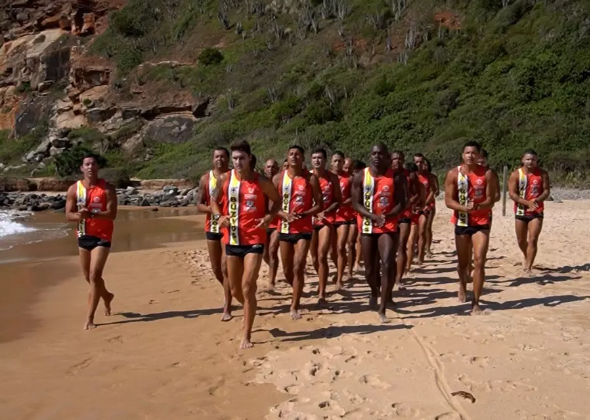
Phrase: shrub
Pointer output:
(119, 177)
(69, 162)
(210, 56)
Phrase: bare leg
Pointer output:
(218, 265)
(353, 234)
(359, 252)
(324, 242)
(299, 258)
(429, 221)
(463, 246)
(235, 270)
(313, 250)
(481, 241)
(412, 241)
(341, 239)
(402, 256)
(251, 266)
(521, 228)
(287, 255)
(422, 238)
(107, 296)
(273, 258)
(387, 245)
(98, 259)
(534, 230)
(334, 251)
(370, 251)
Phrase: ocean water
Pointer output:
(19, 228)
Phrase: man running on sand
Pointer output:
(431, 208)
(469, 192)
(425, 179)
(414, 198)
(271, 248)
(529, 187)
(239, 205)
(301, 198)
(344, 217)
(379, 198)
(213, 233)
(323, 222)
(92, 204)
(355, 255)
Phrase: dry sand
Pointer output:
(164, 354)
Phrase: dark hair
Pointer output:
(241, 146)
(398, 152)
(530, 152)
(320, 150)
(253, 162)
(89, 155)
(412, 167)
(419, 155)
(380, 145)
(473, 143)
(295, 146)
(484, 153)
(221, 149)
(359, 164)
(285, 161)
(338, 153)
(428, 165)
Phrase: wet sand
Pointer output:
(164, 354)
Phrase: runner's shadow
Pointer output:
(550, 301)
(157, 316)
(566, 268)
(542, 280)
(333, 332)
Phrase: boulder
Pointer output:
(60, 143)
(177, 128)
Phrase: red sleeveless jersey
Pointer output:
(210, 184)
(297, 196)
(378, 198)
(327, 189)
(407, 213)
(345, 212)
(530, 186)
(425, 181)
(472, 187)
(95, 200)
(244, 203)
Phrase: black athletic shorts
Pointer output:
(270, 231)
(293, 238)
(470, 230)
(90, 242)
(529, 217)
(213, 236)
(242, 250)
(377, 235)
(405, 220)
(348, 222)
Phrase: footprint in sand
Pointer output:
(374, 381)
(449, 416)
(79, 366)
(405, 410)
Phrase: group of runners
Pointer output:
(380, 213)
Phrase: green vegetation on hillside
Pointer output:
(344, 74)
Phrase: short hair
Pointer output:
(89, 155)
(530, 152)
(295, 146)
(473, 143)
(221, 149)
(338, 153)
(252, 162)
(241, 146)
(412, 167)
(419, 155)
(398, 152)
(483, 153)
(320, 150)
(359, 164)
(285, 161)
(381, 145)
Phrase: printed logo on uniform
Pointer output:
(535, 182)
(96, 199)
(300, 187)
(385, 188)
(479, 181)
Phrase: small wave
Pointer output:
(9, 226)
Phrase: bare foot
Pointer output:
(89, 325)
(246, 344)
(107, 304)
(373, 303)
(462, 293)
(295, 315)
(383, 318)
(226, 317)
(476, 310)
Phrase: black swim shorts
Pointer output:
(529, 217)
(470, 230)
(213, 236)
(405, 220)
(90, 242)
(242, 250)
(293, 238)
(270, 231)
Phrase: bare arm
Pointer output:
(399, 195)
(317, 197)
(451, 191)
(201, 205)
(430, 193)
(217, 195)
(488, 203)
(112, 205)
(357, 197)
(496, 181)
(546, 188)
(434, 181)
(72, 214)
(337, 194)
(414, 192)
(272, 194)
(513, 189)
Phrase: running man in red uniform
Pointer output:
(432, 208)
(213, 233)
(469, 192)
(301, 198)
(418, 232)
(412, 189)
(92, 204)
(323, 222)
(271, 249)
(379, 198)
(529, 187)
(355, 255)
(239, 205)
(344, 217)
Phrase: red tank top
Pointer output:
(530, 186)
(345, 212)
(407, 213)
(210, 184)
(245, 204)
(297, 197)
(327, 189)
(425, 181)
(95, 200)
(378, 198)
(472, 187)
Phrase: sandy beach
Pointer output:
(164, 354)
